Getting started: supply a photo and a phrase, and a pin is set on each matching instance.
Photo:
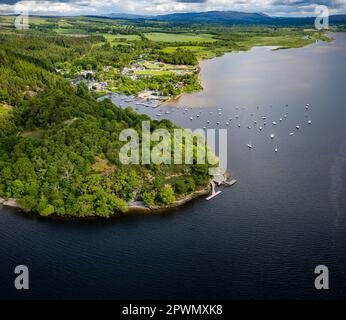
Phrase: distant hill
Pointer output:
(127, 16)
(228, 17)
(223, 17)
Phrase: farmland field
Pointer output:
(121, 37)
(153, 72)
(177, 37)
(191, 48)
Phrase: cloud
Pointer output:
(77, 7)
(192, 1)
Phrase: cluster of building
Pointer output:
(89, 76)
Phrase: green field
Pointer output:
(166, 66)
(191, 48)
(200, 52)
(153, 72)
(63, 31)
(38, 21)
(179, 37)
(64, 24)
(120, 37)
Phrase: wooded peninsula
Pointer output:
(59, 145)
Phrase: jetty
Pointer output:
(214, 193)
(220, 179)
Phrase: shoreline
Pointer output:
(9, 203)
(137, 208)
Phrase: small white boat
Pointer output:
(191, 118)
(227, 123)
(264, 123)
(250, 146)
(309, 122)
(158, 115)
(220, 113)
(280, 119)
(260, 128)
(208, 121)
(255, 122)
(297, 127)
(239, 125)
(276, 149)
(218, 123)
(167, 112)
(204, 128)
(292, 134)
(249, 127)
(274, 123)
(220, 109)
(285, 116)
(198, 116)
(272, 136)
(264, 118)
(306, 107)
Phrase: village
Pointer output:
(105, 81)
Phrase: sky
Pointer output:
(156, 7)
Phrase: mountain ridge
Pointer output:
(226, 17)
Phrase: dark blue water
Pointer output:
(260, 239)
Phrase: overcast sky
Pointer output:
(77, 7)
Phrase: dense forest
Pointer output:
(59, 147)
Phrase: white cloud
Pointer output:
(76, 7)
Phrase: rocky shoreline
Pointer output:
(10, 203)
